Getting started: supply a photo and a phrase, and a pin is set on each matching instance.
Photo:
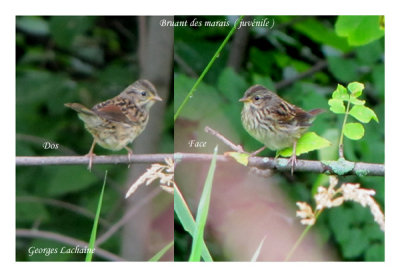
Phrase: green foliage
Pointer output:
(271, 58)
(355, 240)
(354, 131)
(62, 59)
(359, 30)
(310, 141)
(321, 33)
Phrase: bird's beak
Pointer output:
(244, 99)
(156, 98)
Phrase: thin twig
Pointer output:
(61, 204)
(66, 240)
(318, 66)
(126, 217)
(235, 147)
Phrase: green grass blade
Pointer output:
(92, 240)
(257, 253)
(161, 253)
(185, 217)
(202, 212)
(216, 55)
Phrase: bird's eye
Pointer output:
(143, 93)
(256, 98)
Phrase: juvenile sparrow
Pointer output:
(116, 122)
(273, 121)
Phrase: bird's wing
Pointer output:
(119, 111)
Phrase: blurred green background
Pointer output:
(81, 59)
(303, 58)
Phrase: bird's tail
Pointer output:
(79, 108)
(315, 112)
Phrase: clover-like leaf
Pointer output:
(340, 93)
(308, 142)
(354, 131)
(363, 114)
(353, 100)
(337, 106)
(355, 88)
(242, 158)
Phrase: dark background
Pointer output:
(87, 60)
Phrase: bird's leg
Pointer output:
(258, 151)
(90, 155)
(130, 152)
(293, 159)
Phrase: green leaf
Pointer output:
(344, 69)
(370, 53)
(28, 212)
(308, 142)
(242, 158)
(353, 100)
(354, 131)
(363, 114)
(33, 25)
(355, 244)
(340, 93)
(262, 60)
(359, 30)
(186, 219)
(231, 84)
(202, 212)
(265, 81)
(161, 253)
(62, 183)
(378, 79)
(321, 33)
(205, 101)
(65, 29)
(375, 253)
(356, 88)
(337, 106)
(92, 240)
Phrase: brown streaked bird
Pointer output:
(273, 121)
(116, 122)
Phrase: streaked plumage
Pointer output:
(273, 121)
(116, 122)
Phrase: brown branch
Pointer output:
(280, 164)
(320, 65)
(70, 160)
(340, 167)
(67, 240)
